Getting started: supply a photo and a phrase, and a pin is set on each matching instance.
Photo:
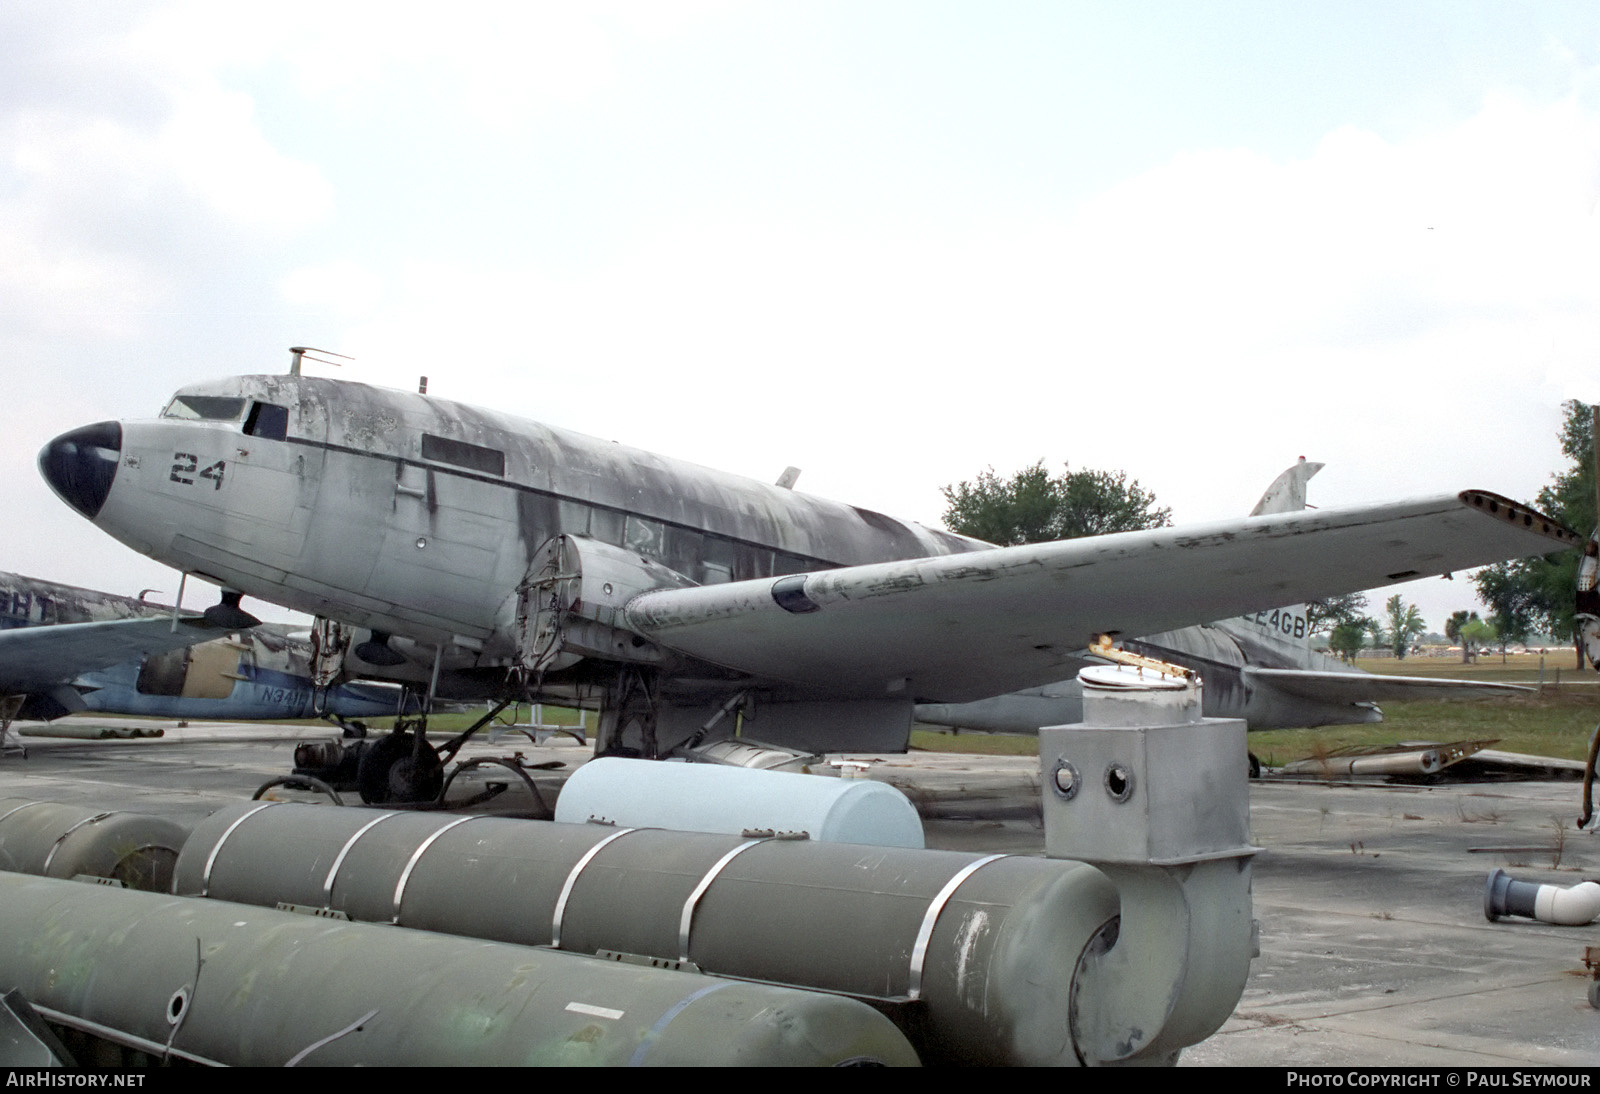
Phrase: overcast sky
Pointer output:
(889, 243)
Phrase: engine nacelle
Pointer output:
(569, 606)
(206, 671)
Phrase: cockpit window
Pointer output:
(208, 408)
(474, 457)
(267, 420)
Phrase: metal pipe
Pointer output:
(992, 958)
(57, 840)
(177, 605)
(216, 983)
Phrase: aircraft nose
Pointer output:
(80, 465)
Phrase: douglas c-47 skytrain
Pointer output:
(491, 554)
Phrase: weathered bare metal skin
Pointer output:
(548, 465)
(1009, 618)
(30, 602)
(1259, 667)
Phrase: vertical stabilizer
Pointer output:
(1287, 494)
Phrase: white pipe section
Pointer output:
(1572, 907)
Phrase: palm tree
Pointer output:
(1405, 623)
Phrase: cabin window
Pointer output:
(574, 518)
(207, 408)
(644, 536)
(605, 525)
(716, 560)
(684, 548)
(473, 457)
(268, 420)
(752, 561)
(790, 564)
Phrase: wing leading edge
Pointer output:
(955, 628)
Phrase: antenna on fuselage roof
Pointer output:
(297, 352)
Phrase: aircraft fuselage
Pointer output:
(416, 516)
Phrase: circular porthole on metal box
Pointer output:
(1119, 782)
(1065, 780)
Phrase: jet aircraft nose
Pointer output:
(80, 465)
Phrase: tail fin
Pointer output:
(1287, 494)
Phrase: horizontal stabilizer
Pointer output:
(1372, 687)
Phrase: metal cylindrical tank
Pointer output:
(985, 945)
(256, 986)
(718, 798)
(58, 840)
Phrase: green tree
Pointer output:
(1405, 623)
(1336, 611)
(1476, 633)
(1532, 594)
(1452, 631)
(1348, 638)
(1034, 507)
(1513, 608)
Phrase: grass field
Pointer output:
(1554, 721)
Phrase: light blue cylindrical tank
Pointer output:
(714, 798)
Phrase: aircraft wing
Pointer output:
(955, 628)
(1363, 687)
(35, 658)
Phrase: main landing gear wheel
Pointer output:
(392, 772)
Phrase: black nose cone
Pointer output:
(80, 465)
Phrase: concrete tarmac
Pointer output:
(1374, 946)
